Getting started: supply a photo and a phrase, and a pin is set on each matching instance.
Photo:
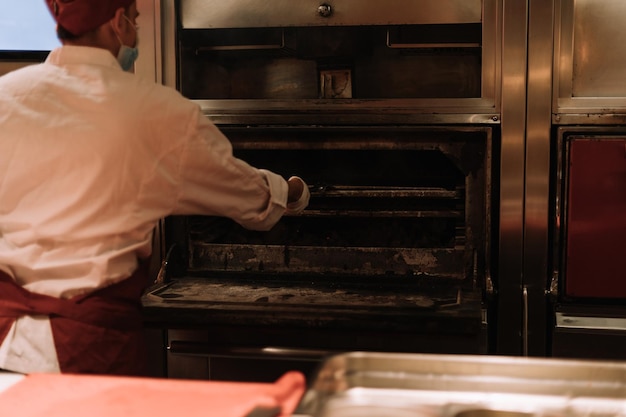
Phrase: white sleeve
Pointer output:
(214, 182)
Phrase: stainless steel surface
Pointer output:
(380, 384)
(599, 58)
(287, 78)
(491, 413)
(298, 109)
(590, 58)
(264, 411)
(167, 11)
(441, 112)
(512, 170)
(190, 348)
(569, 321)
(559, 197)
(252, 13)
(466, 44)
(537, 175)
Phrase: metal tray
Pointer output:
(362, 384)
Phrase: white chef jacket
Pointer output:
(91, 157)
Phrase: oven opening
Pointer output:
(408, 211)
(333, 62)
(373, 198)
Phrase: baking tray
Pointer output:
(361, 384)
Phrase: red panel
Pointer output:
(596, 229)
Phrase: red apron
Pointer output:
(97, 333)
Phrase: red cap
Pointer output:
(82, 16)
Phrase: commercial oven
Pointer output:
(458, 120)
(392, 116)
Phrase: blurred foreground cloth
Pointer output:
(67, 395)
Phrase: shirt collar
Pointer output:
(70, 54)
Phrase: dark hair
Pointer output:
(64, 34)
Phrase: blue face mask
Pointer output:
(127, 55)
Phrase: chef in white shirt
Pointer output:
(91, 157)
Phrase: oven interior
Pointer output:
(387, 205)
(332, 62)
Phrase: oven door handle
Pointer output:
(245, 47)
(203, 349)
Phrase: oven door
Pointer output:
(595, 245)
(590, 317)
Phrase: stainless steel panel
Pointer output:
(599, 58)
(590, 59)
(483, 109)
(568, 321)
(167, 12)
(380, 384)
(356, 112)
(252, 13)
(589, 331)
(537, 194)
(192, 355)
(509, 282)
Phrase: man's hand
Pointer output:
(297, 196)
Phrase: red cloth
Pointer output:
(54, 395)
(99, 333)
(82, 16)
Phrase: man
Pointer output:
(91, 157)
